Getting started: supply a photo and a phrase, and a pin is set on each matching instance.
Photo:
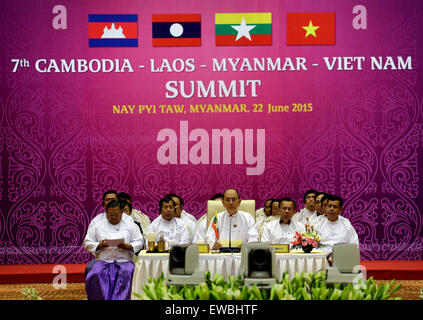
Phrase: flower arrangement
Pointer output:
(307, 240)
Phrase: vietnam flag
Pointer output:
(317, 28)
(176, 30)
(243, 29)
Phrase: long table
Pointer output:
(152, 265)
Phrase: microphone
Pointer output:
(229, 249)
(230, 230)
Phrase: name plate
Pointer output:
(234, 243)
(280, 248)
(203, 247)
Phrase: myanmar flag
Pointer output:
(243, 29)
(214, 226)
(316, 28)
(176, 30)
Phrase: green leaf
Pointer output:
(395, 289)
(345, 292)
(305, 295)
(257, 293)
(264, 294)
(279, 289)
(336, 294)
(137, 295)
(150, 291)
(315, 293)
(324, 293)
(208, 276)
(272, 293)
(204, 291)
(298, 294)
(214, 296)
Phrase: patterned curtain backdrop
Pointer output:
(58, 156)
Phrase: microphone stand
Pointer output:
(230, 230)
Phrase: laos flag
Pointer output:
(176, 30)
(113, 30)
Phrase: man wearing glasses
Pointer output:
(234, 225)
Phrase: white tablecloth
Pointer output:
(152, 265)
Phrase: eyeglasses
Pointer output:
(231, 200)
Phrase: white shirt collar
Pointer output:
(167, 221)
(233, 215)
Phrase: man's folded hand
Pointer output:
(125, 246)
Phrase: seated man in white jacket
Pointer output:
(108, 196)
(319, 214)
(179, 201)
(174, 230)
(233, 224)
(113, 237)
(274, 214)
(282, 231)
(335, 228)
(309, 209)
(188, 219)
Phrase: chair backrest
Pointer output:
(217, 206)
(346, 256)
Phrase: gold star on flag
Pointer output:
(311, 30)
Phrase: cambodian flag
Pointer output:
(113, 30)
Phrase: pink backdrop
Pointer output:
(62, 147)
